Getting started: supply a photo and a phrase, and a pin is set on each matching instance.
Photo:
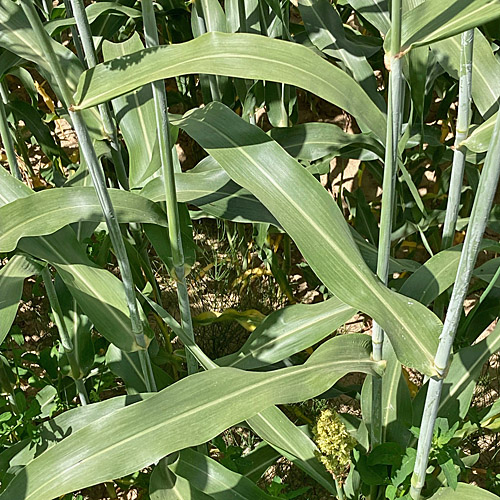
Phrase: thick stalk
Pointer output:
(83, 26)
(98, 179)
(477, 225)
(393, 133)
(8, 144)
(463, 121)
(167, 163)
(64, 335)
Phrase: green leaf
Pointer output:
(437, 274)
(165, 485)
(314, 221)
(465, 370)
(448, 468)
(12, 276)
(288, 331)
(113, 446)
(396, 401)
(312, 141)
(232, 54)
(79, 329)
(47, 211)
(386, 454)
(486, 71)
(406, 468)
(98, 292)
(463, 490)
(127, 366)
(212, 478)
(432, 21)
(326, 31)
(55, 430)
(17, 36)
(374, 11)
(135, 113)
(214, 193)
(33, 121)
(93, 11)
(480, 137)
(273, 426)
(256, 462)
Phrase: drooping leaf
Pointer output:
(98, 292)
(314, 221)
(12, 276)
(288, 331)
(311, 141)
(112, 446)
(48, 211)
(432, 21)
(232, 54)
(135, 114)
(212, 478)
(325, 29)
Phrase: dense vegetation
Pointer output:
(249, 236)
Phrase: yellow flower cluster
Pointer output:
(333, 441)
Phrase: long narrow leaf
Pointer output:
(112, 446)
(231, 54)
(312, 218)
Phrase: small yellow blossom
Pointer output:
(334, 442)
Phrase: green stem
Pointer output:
(83, 26)
(98, 179)
(8, 144)
(66, 341)
(74, 34)
(477, 225)
(174, 230)
(393, 134)
(202, 19)
(82, 392)
(463, 121)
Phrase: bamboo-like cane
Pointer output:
(64, 335)
(388, 197)
(463, 121)
(167, 164)
(7, 142)
(83, 27)
(477, 225)
(99, 182)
